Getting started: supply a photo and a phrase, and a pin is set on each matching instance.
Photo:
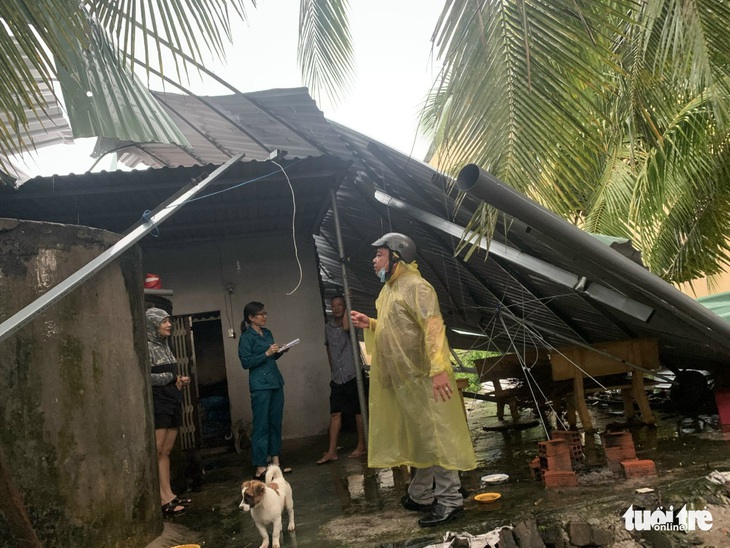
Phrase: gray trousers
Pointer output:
(437, 483)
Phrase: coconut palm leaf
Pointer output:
(614, 114)
(96, 44)
(39, 38)
(104, 101)
(325, 52)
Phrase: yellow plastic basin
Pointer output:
(487, 497)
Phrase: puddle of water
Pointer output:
(344, 503)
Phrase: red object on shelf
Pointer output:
(152, 281)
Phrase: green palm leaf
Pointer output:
(613, 114)
(325, 52)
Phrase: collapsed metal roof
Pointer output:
(528, 291)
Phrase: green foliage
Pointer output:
(614, 114)
(100, 41)
(468, 359)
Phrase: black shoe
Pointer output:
(440, 514)
(409, 504)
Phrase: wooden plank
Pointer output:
(509, 366)
(641, 352)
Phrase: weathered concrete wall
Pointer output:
(75, 399)
(262, 268)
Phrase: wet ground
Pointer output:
(344, 503)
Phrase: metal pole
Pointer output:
(558, 275)
(598, 292)
(462, 369)
(609, 264)
(348, 308)
(21, 318)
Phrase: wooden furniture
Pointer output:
(460, 385)
(575, 363)
(508, 366)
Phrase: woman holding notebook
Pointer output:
(258, 354)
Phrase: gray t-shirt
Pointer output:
(343, 364)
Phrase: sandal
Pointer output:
(172, 509)
(260, 477)
(286, 470)
(182, 500)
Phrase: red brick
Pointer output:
(552, 448)
(638, 468)
(617, 439)
(561, 462)
(535, 469)
(620, 453)
(576, 452)
(615, 466)
(570, 436)
(560, 479)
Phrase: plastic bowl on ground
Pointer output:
(495, 478)
(487, 497)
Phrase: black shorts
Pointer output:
(168, 420)
(343, 398)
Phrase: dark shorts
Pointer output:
(168, 420)
(344, 399)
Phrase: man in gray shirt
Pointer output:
(343, 387)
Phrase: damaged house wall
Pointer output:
(261, 267)
(75, 399)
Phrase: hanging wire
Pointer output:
(545, 343)
(147, 213)
(227, 289)
(293, 228)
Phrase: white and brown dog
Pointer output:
(267, 501)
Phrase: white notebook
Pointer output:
(288, 345)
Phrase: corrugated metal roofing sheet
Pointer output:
(251, 197)
(219, 127)
(46, 125)
(511, 305)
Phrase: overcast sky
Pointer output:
(395, 70)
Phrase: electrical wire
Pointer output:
(227, 302)
(293, 228)
(146, 215)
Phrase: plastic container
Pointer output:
(486, 498)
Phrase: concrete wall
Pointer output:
(77, 440)
(262, 268)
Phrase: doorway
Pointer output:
(213, 402)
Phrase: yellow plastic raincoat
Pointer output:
(408, 346)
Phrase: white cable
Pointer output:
(293, 230)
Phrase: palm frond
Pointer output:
(613, 114)
(40, 38)
(325, 52)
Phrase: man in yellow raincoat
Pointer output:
(414, 418)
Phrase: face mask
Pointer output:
(382, 274)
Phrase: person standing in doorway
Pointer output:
(343, 386)
(414, 418)
(167, 399)
(258, 354)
